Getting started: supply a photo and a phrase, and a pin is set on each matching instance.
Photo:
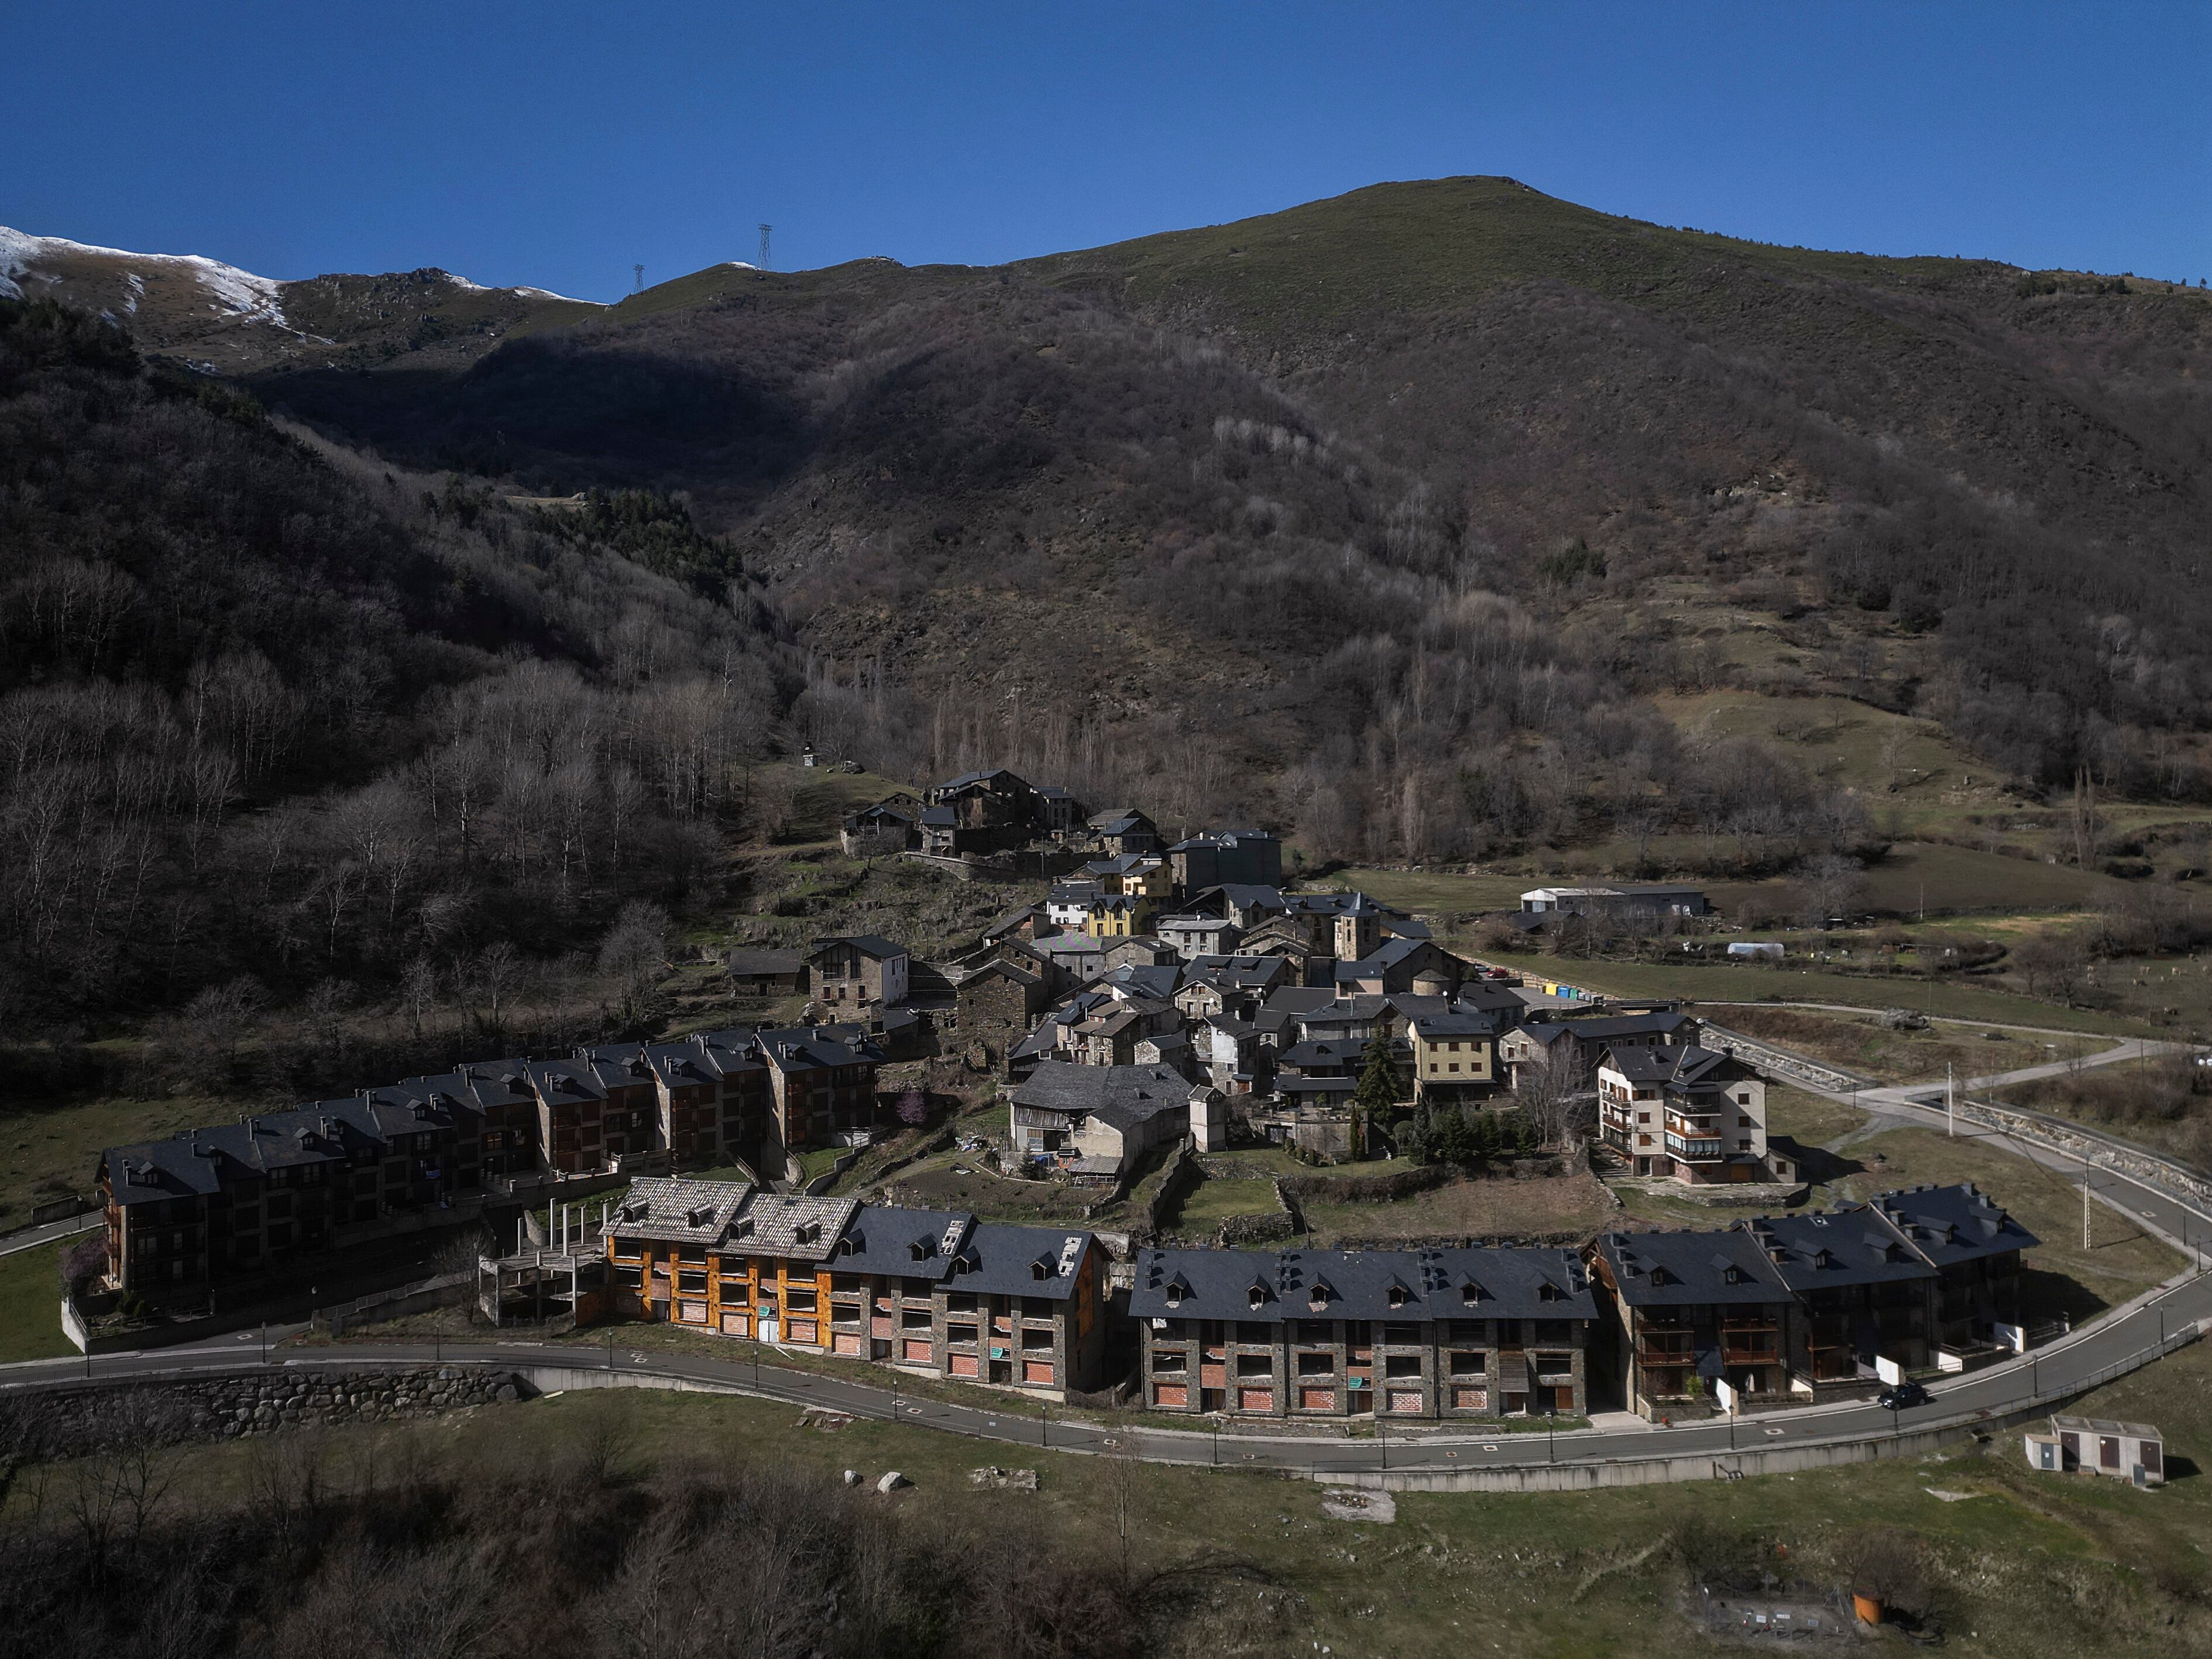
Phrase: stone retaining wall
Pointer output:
(263, 1401)
(1779, 1063)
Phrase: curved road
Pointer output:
(2154, 1323)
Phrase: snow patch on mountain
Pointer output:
(239, 293)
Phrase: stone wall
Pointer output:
(264, 1401)
(1777, 1062)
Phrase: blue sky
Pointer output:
(557, 144)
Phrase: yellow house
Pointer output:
(1121, 915)
(1454, 1054)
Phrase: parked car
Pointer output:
(1902, 1397)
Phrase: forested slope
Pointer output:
(1383, 487)
(267, 711)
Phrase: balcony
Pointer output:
(1696, 1150)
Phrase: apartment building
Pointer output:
(1687, 1312)
(217, 1203)
(1684, 1112)
(1974, 1247)
(1320, 1334)
(1862, 1292)
(935, 1292)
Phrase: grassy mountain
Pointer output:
(1403, 518)
(202, 312)
(1210, 462)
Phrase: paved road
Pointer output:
(2161, 1320)
(31, 1238)
(2153, 1323)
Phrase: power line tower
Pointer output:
(764, 230)
(638, 271)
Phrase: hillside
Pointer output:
(1265, 474)
(1437, 521)
(275, 722)
(225, 320)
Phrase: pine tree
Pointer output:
(1373, 1101)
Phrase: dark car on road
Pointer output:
(1902, 1397)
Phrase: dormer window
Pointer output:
(1398, 1294)
(1257, 1295)
(1041, 1268)
(1177, 1289)
(919, 1251)
(1470, 1293)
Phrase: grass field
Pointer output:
(2025, 1565)
(49, 1149)
(30, 1304)
(1213, 1200)
(1717, 982)
(1857, 1043)
(1565, 1207)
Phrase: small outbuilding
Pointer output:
(2126, 1452)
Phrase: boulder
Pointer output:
(892, 1481)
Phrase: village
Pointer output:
(1162, 1002)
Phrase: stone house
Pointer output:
(1422, 1334)
(887, 828)
(859, 974)
(1253, 857)
(1097, 1120)
(766, 973)
(997, 1006)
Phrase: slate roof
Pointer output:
(1000, 1260)
(810, 1047)
(937, 818)
(1244, 973)
(871, 945)
(1852, 1246)
(1301, 1055)
(1120, 1096)
(679, 1211)
(1659, 1270)
(1601, 1028)
(565, 1080)
(1453, 1024)
(1370, 1284)
(903, 1243)
(729, 1053)
(1153, 981)
(1682, 1067)
(760, 963)
(1956, 1224)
